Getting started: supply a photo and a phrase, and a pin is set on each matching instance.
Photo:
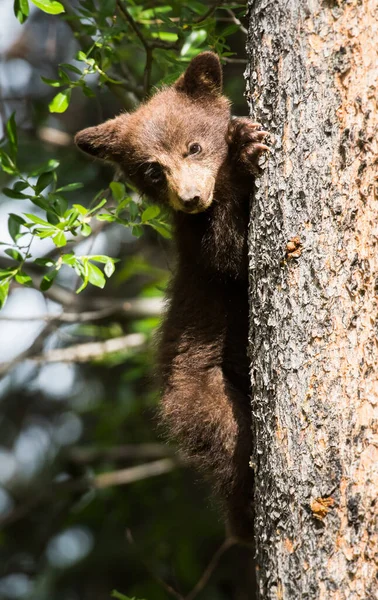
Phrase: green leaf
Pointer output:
(101, 258)
(86, 230)
(14, 194)
(83, 285)
(12, 135)
(52, 82)
(19, 186)
(133, 210)
(44, 180)
(163, 229)
(98, 206)
(52, 7)
(194, 40)
(105, 217)
(14, 254)
(69, 259)
(137, 230)
(80, 209)
(23, 278)
(21, 10)
(59, 239)
(230, 30)
(70, 67)
(44, 262)
(60, 102)
(122, 205)
(50, 165)
(45, 233)
(167, 36)
(151, 212)
(7, 273)
(13, 227)
(7, 163)
(4, 289)
(118, 190)
(17, 218)
(63, 76)
(37, 220)
(95, 276)
(120, 596)
(48, 280)
(58, 203)
(70, 187)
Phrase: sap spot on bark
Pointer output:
(294, 248)
(320, 507)
(342, 60)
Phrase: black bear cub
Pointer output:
(182, 148)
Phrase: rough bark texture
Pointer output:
(313, 82)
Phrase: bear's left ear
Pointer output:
(103, 141)
(203, 77)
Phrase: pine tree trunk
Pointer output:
(313, 83)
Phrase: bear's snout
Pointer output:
(191, 191)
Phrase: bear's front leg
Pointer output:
(245, 138)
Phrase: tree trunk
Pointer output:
(313, 83)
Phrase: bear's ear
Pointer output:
(203, 77)
(103, 141)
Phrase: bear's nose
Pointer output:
(190, 198)
(191, 203)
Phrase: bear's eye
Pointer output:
(154, 172)
(194, 148)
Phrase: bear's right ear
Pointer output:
(203, 77)
(103, 141)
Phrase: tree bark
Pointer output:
(313, 83)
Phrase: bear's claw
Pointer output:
(244, 138)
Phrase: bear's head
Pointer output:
(173, 146)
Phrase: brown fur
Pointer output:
(203, 350)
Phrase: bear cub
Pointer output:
(182, 148)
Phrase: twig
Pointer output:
(90, 454)
(148, 45)
(79, 353)
(35, 348)
(91, 350)
(147, 69)
(236, 21)
(126, 476)
(203, 580)
(168, 588)
(208, 13)
(236, 61)
(134, 308)
(132, 24)
(228, 543)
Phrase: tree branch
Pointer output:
(208, 13)
(126, 476)
(81, 353)
(148, 45)
(236, 21)
(123, 477)
(91, 454)
(227, 544)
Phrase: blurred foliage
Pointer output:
(72, 426)
(108, 33)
